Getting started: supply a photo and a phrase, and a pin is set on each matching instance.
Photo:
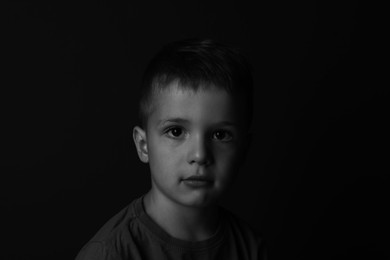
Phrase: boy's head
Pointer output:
(197, 64)
(196, 110)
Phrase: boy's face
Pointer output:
(194, 143)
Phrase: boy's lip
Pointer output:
(198, 178)
(198, 181)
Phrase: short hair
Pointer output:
(194, 63)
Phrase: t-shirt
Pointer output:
(133, 235)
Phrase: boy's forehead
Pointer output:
(208, 102)
(176, 87)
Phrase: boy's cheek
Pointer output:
(228, 153)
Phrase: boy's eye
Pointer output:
(175, 132)
(222, 135)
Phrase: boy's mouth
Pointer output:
(197, 181)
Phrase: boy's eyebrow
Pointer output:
(227, 123)
(179, 120)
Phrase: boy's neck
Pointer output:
(185, 223)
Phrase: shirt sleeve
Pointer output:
(93, 251)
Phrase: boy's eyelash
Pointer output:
(170, 128)
(226, 132)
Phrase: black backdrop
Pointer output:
(315, 181)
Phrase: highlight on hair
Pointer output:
(195, 63)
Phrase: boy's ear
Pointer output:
(139, 137)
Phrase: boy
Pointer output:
(195, 110)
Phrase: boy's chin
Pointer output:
(199, 202)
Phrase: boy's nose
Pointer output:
(199, 152)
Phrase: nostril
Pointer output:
(199, 152)
(203, 158)
(199, 158)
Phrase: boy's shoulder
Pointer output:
(241, 228)
(118, 223)
(115, 231)
(245, 236)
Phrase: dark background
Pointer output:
(316, 180)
